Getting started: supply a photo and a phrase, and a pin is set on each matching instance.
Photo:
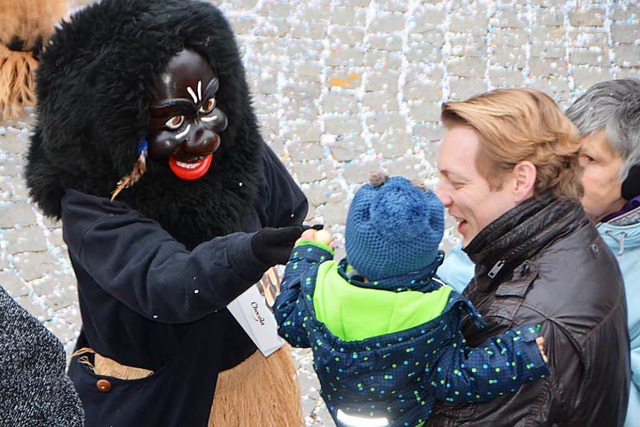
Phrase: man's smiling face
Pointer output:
(185, 120)
(462, 188)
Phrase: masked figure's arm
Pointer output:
(138, 263)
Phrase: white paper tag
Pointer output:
(255, 315)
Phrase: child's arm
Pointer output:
(290, 306)
(501, 365)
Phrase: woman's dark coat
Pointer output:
(34, 390)
(153, 276)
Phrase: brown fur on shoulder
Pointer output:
(25, 26)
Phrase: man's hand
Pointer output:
(273, 245)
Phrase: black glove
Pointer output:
(306, 227)
(273, 245)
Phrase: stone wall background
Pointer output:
(342, 87)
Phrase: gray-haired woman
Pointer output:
(608, 118)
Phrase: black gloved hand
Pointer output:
(273, 245)
(314, 226)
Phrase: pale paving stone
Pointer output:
(428, 19)
(333, 102)
(34, 265)
(359, 172)
(345, 55)
(385, 42)
(335, 212)
(506, 78)
(306, 151)
(587, 17)
(393, 144)
(387, 23)
(34, 308)
(343, 124)
(543, 67)
(466, 88)
(346, 35)
(466, 67)
(468, 45)
(4, 259)
(310, 171)
(548, 17)
(16, 214)
(26, 239)
(587, 77)
(348, 16)
(314, 30)
(625, 33)
(12, 284)
(380, 60)
(382, 81)
(13, 164)
(319, 194)
(624, 9)
(587, 37)
(425, 111)
(589, 57)
(379, 101)
(347, 148)
(627, 55)
(381, 122)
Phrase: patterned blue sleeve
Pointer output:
(500, 366)
(290, 308)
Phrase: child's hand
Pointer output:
(320, 236)
(540, 342)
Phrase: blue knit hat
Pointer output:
(393, 228)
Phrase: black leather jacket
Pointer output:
(543, 262)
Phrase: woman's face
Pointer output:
(185, 120)
(602, 187)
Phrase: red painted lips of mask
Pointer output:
(196, 170)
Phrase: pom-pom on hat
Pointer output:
(393, 228)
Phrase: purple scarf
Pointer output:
(629, 206)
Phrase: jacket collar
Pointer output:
(521, 232)
(416, 281)
(622, 232)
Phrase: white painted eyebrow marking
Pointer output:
(199, 90)
(193, 95)
(209, 118)
(184, 132)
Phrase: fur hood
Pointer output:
(94, 87)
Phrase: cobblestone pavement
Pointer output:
(342, 87)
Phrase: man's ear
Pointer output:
(525, 179)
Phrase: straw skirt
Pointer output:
(261, 391)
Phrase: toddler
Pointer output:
(384, 330)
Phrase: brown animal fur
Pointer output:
(30, 21)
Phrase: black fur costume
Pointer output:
(146, 301)
(94, 96)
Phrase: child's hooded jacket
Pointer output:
(395, 376)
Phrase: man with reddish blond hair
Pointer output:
(510, 176)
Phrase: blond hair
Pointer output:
(515, 125)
